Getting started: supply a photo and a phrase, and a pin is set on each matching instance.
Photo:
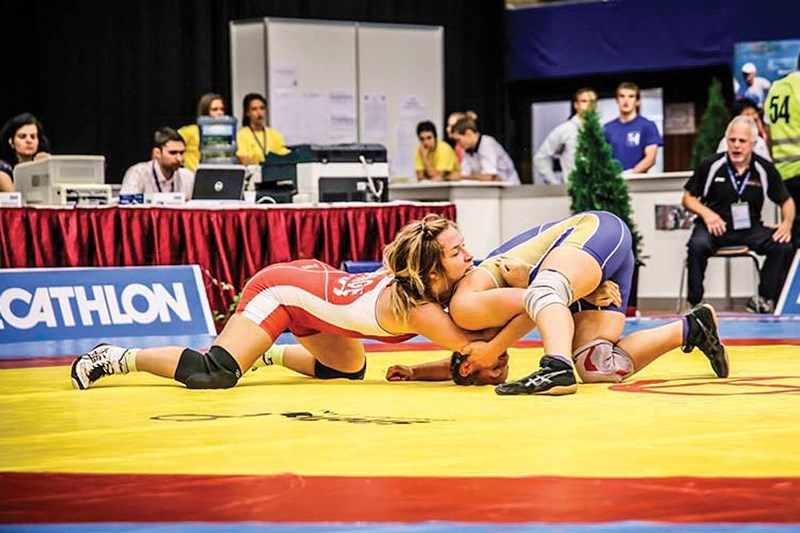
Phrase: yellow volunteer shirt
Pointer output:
(255, 144)
(782, 110)
(444, 159)
(191, 137)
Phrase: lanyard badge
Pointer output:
(740, 211)
(158, 183)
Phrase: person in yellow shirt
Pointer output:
(255, 140)
(433, 159)
(783, 115)
(212, 105)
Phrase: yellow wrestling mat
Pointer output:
(673, 419)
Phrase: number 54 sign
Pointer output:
(778, 108)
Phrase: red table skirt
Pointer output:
(230, 245)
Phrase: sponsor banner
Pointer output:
(45, 304)
(789, 302)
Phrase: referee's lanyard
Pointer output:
(158, 184)
(740, 211)
(261, 145)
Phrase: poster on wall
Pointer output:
(679, 118)
(375, 117)
(757, 64)
(673, 217)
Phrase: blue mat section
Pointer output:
(424, 527)
(735, 326)
(732, 326)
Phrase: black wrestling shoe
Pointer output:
(554, 378)
(704, 335)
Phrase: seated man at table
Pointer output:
(727, 192)
(484, 158)
(434, 160)
(164, 172)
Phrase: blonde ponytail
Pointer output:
(411, 257)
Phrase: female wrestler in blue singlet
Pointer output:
(532, 279)
(602, 235)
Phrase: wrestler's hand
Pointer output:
(400, 373)
(481, 354)
(514, 271)
(604, 295)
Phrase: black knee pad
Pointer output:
(325, 372)
(216, 369)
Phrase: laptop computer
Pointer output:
(218, 182)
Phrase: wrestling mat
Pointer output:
(672, 449)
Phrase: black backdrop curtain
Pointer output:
(102, 76)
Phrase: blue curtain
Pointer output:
(584, 38)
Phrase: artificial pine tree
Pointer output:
(712, 125)
(596, 183)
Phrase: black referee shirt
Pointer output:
(711, 182)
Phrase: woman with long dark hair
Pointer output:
(255, 140)
(22, 139)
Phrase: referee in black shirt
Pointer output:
(727, 192)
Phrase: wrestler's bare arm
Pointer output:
(478, 304)
(485, 354)
(430, 371)
(433, 322)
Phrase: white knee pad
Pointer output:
(599, 361)
(548, 287)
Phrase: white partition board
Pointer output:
(401, 74)
(331, 82)
(248, 62)
(311, 79)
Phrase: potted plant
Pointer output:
(596, 183)
(712, 124)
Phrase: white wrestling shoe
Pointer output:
(103, 360)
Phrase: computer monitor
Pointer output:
(218, 182)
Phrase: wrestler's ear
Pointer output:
(465, 368)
